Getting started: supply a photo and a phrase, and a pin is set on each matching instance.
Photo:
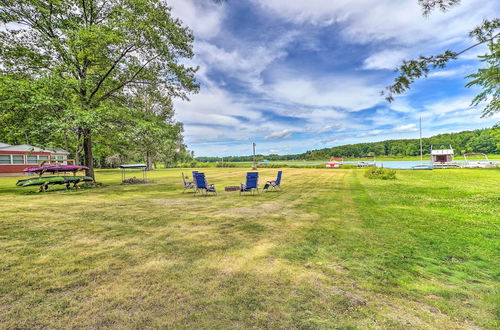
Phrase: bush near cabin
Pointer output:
(380, 173)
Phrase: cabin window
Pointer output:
(43, 157)
(58, 157)
(32, 160)
(18, 159)
(4, 159)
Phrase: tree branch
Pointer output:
(103, 78)
(105, 96)
(414, 69)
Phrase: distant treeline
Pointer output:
(247, 158)
(484, 140)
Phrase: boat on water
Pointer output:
(446, 165)
(367, 163)
(335, 162)
(485, 163)
(443, 157)
(422, 167)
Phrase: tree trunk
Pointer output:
(89, 157)
(77, 156)
(66, 144)
(149, 162)
(77, 152)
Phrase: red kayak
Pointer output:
(56, 168)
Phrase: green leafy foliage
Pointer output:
(461, 142)
(74, 65)
(486, 78)
(225, 164)
(430, 5)
(380, 173)
(412, 70)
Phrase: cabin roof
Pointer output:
(442, 152)
(60, 151)
(23, 147)
(29, 148)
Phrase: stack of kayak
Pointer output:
(45, 181)
(55, 169)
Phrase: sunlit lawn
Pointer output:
(333, 249)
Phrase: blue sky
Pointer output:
(301, 75)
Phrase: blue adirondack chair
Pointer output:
(252, 184)
(202, 186)
(188, 184)
(274, 184)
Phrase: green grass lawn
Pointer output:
(332, 250)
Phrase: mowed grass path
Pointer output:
(332, 250)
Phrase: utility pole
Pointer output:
(254, 163)
(421, 159)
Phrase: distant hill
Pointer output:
(481, 140)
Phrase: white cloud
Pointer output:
(334, 139)
(474, 52)
(348, 92)
(212, 101)
(374, 132)
(224, 117)
(202, 133)
(384, 116)
(453, 114)
(245, 62)
(387, 59)
(204, 18)
(385, 20)
(281, 135)
(214, 114)
(330, 128)
(401, 104)
(459, 72)
(405, 128)
(445, 106)
(214, 107)
(443, 73)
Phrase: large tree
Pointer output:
(154, 132)
(486, 78)
(101, 51)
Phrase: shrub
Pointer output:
(264, 165)
(380, 173)
(192, 164)
(225, 164)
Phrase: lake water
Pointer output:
(398, 165)
(408, 164)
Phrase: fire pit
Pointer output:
(232, 188)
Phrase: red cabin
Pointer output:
(15, 158)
